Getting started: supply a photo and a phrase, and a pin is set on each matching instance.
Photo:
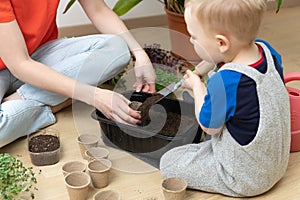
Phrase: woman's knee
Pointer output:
(112, 55)
(105, 57)
(118, 49)
(21, 117)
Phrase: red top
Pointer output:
(254, 65)
(36, 19)
(261, 60)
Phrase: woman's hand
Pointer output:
(115, 107)
(106, 21)
(144, 72)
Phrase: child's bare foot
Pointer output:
(14, 96)
(61, 106)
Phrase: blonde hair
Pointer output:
(240, 18)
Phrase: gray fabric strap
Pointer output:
(250, 71)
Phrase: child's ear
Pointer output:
(223, 43)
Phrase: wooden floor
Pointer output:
(138, 181)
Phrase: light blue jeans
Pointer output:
(90, 59)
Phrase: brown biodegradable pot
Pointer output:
(77, 184)
(99, 171)
(86, 141)
(73, 166)
(174, 188)
(44, 147)
(96, 153)
(107, 195)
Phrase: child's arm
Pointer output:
(193, 82)
(211, 131)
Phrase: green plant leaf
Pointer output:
(123, 6)
(14, 177)
(279, 3)
(71, 2)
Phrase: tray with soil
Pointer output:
(44, 147)
(168, 124)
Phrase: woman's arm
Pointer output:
(106, 21)
(14, 54)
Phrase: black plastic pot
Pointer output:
(142, 140)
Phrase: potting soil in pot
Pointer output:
(172, 124)
(43, 143)
(145, 107)
(44, 149)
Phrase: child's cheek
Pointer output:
(202, 53)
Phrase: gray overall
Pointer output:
(221, 165)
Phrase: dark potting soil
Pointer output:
(172, 123)
(145, 107)
(43, 143)
(135, 105)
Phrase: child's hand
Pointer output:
(192, 80)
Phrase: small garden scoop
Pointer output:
(169, 89)
(202, 69)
